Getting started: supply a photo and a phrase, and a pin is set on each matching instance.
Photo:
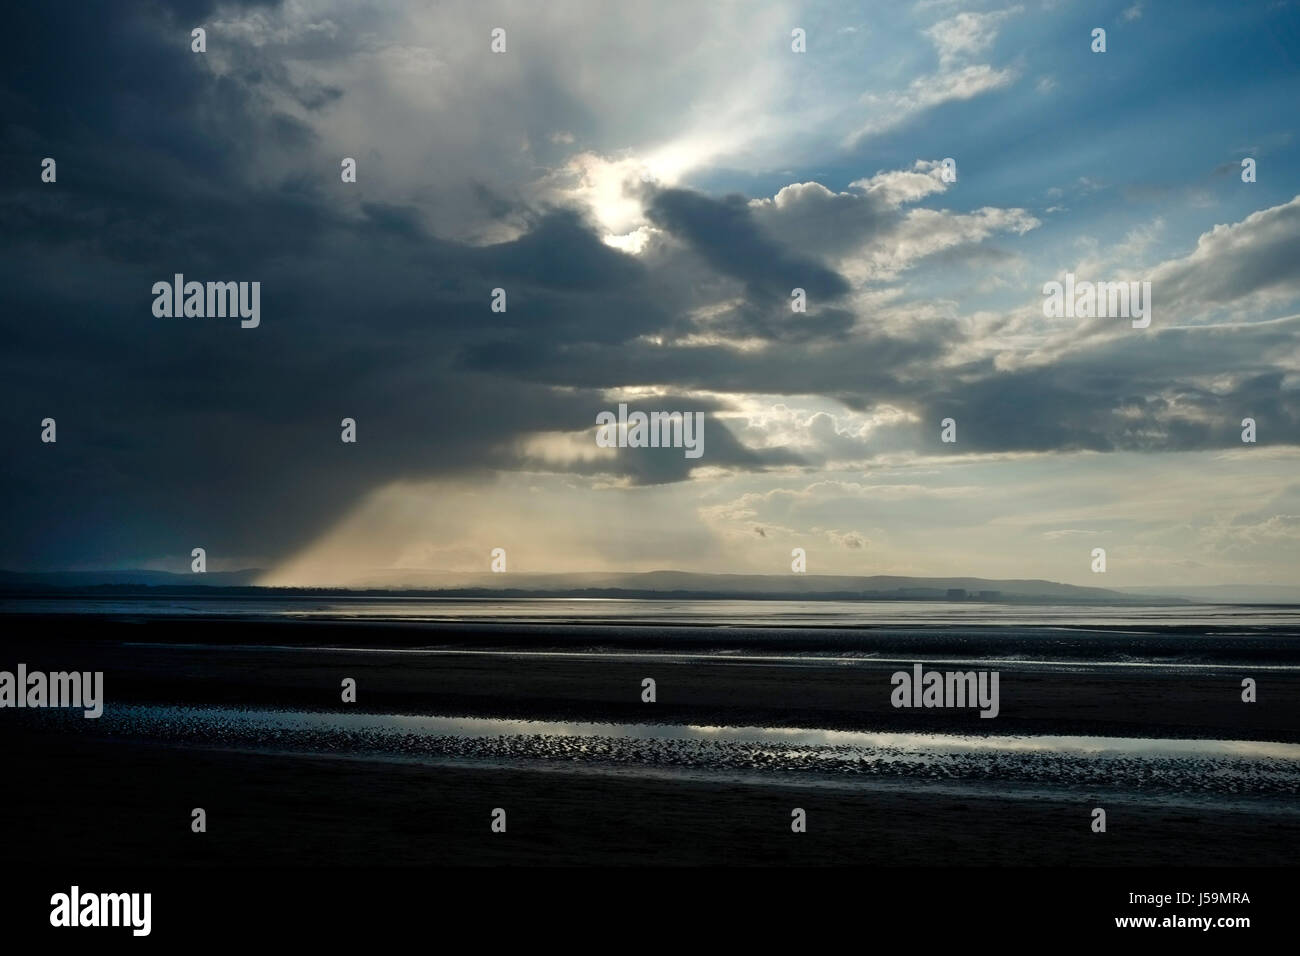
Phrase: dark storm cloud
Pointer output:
(860, 371)
(193, 432)
(653, 466)
(1178, 389)
(724, 233)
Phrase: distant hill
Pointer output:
(757, 585)
(647, 584)
(1226, 593)
(76, 579)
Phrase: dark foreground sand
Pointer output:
(128, 803)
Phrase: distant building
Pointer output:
(956, 594)
(990, 595)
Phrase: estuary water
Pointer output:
(752, 613)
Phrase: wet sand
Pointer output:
(119, 791)
(502, 673)
(130, 803)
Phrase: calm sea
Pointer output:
(698, 612)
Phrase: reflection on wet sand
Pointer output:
(1225, 768)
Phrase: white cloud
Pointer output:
(957, 40)
(967, 34)
(864, 231)
(893, 109)
(1251, 263)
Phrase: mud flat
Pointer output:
(129, 802)
(451, 722)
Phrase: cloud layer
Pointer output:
(582, 186)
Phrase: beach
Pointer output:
(246, 719)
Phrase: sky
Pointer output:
(648, 183)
